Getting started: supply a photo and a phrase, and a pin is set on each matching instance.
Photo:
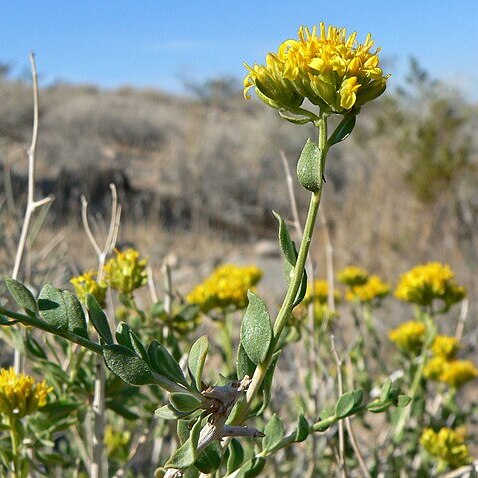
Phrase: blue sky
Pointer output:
(159, 43)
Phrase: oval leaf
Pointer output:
(345, 404)
(184, 402)
(310, 168)
(343, 130)
(22, 296)
(98, 319)
(127, 365)
(196, 360)
(274, 432)
(256, 329)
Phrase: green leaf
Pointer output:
(274, 432)
(287, 246)
(403, 401)
(244, 365)
(118, 407)
(346, 403)
(165, 364)
(122, 335)
(210, 459)
(76, 316)
(127, 365)
(184, 402)
(342, 131)
(138, 347)
(33, 347)
(252, 468)
(236, 456)
(98, 319)
(256, 329)
(167, 412)
(22, 296)
(196, 359)
(310, 167)
(386, 387)
(186, 455)
(302, 431)
(294, 119)
(62, 310)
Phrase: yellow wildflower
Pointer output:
(334, 72)
(86, 284)
(116, 441)
(448, 446)
(126, 272)
(434, 367)
(353, 276)
(445, 346)
(320, 292)
(426, 282)
(227, 286)
(409, 336)
(374, 288)
(457, 372)
(20, 395)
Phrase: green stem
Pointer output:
(296, 279)
(15, 440)
(41, 324)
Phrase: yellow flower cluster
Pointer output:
(126, 272)
(320, 292)
(353, 276)
(20, 395)
(332, 70)
(448, 446)
(86, 284)
(445, 346)
(226, 287)
(443, 366)
(374, 288)
(409, 336)
(426, 282)
(116, 440)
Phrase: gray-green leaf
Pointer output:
(197, 358)
(186, 455)
(22, 296)
(127, 365)
(274, 432)
(184, 402)
(310, 168)
(256, 329)
(98, 319)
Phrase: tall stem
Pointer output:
(291, 294)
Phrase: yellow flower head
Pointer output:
(457, 372)
(86, 284)
(20, 395)
(445, 346)
(227, 286)
(434, 367)
(353, 276)
(374, 288)
(320, 292)
(116, 440)
(448, 446)
(409, 336)
(426, 282)
(126, 272)
(333, 71)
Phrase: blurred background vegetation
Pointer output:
(198, 176)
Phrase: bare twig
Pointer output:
(151, 286)
(341, 453)
(462, 319)
(98, 463)
(32, 205)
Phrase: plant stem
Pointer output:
(15, 440)
(296, 279)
